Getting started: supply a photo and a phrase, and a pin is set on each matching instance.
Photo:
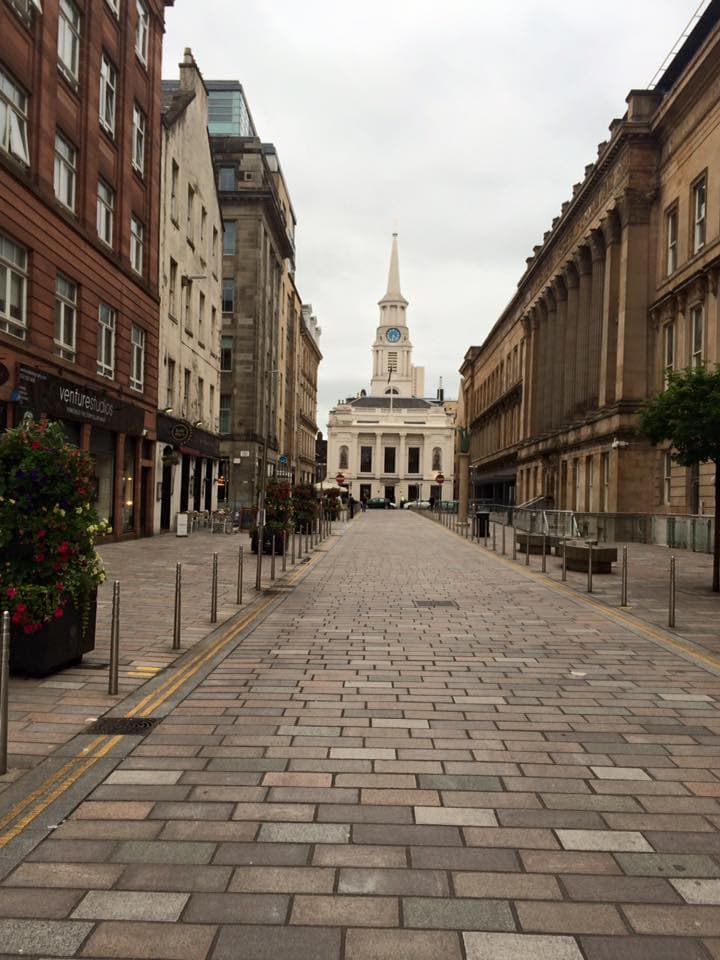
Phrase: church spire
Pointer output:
(393, 294)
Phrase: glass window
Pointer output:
(343, 459)
(672, 232)
(699, 211)
(668, 350)
(201, 315)
(114, 6)
(214, 250)
(226, 178)
(366, 459)
(203, 227)
(172, 288)
(437, 459)
(13, 119)
(190, 214)
(389, 459)
(69, 40)
(65, 317)
(229, 237)
(576, 484)
(13, 287)
(170, 389)
(228, 295)
(667, 476)
(187, 315)
(697, 324)
(226, 352)
(175, 176)
(225, 401)
(201, 398)
(108, 86)
(142, 31)
(138, 140)
(106, 341)
(228, 114)
(186, 392)
(128, 485)
(137, 244)
(413, 460)
(64, 172)
(105, 205)
(211, 409)
(604, 481)
(137, 358)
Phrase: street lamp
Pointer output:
(260, 523)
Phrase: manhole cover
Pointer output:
(128, 726)
(435, 603)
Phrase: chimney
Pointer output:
(188, 71)
(440, 392)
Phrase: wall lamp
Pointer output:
(168, 410)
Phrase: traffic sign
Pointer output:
(282, 459)
(440, 478)
(340, 479)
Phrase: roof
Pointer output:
(407, 403)
(707, 22)
(174, 102)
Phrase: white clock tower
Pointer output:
(393, 372)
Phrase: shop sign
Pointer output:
(38, 392)
(181, 433)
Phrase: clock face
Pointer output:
(393, 335)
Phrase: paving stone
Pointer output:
(163, 851)
(40, 904)
(401, 945)
(269, 943)
(667, 865)
(149, 941)
(464, 858)
(108, 830)
(458, 782)
(356, 813)
(137, 777)
(455, 816)
(642, 948)
(684, 921)
(429, 883)
(126, 905)
(609, 840)
(282, 880)
(281, 854)
(620, 889)
(574, 918)
(507, 886)
(236, 908)
(191, 811)
(510, 837)
(363, 856)
(698, 891)
(457, 914)
(166, 877)
(73, 851)
(112, 810)
(58, 938)
(345, 911)
(215, 831)
(304, 833)
(79, 876)
(410, 835)
(515, 946)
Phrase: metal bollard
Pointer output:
(494, 537)
(514, 542)
(239, 592)
(272, 557)
(564, 560)
(544, 558)
(4, 684)
(590, 568)
(292, 548)
(623, 579)
(527, 549)
(671, 599)
(503, 539)
(114, 641)
(214, 588)
(177, 618)
(285, 546)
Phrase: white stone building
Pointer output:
(191, 238)
(392, 442)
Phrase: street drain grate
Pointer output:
(127, 726)
(436, 603)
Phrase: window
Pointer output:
(172, 288)
(343, 459)
(137, 358)
(65, 317)
(106, 341)
(668, 350)
(214, 250)
(389, 459)
(437, 458)
(576, 484)
(201, 398)
(174, 177)
(13, 285)
(187, 317)
(228, 295)
(699, 204)
(413, 460)
(114, 6)
(201, 315)
(213, 326)
(667, 476)
(69, 40)
(203, 227)
(211, 410)
(224, 424)
(170, 390)
(142, 31)
(64, 173)
(190, 225)
(105, 205)
(108, 85)
(138, 139)
(229, 238)
(588, 484)
(392, 360)
(366, 459)
(13, 119)
(604, 481)
(186, 392)
(226, 352)
(137, 245)
(226, 178)
(671, 229)
(697, 324)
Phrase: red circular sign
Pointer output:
(440, 478)
(340, 478)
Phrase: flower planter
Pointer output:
(267, 543)
(59, 644)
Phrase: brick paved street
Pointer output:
(508, 775)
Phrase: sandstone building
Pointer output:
(623, 287)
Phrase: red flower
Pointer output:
(40, 557)
(58, 612)
(20, 608)
(12, 592)
(17, 617)
(35, 445)
(41, 534)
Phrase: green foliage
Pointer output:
(48, 525)
(305, 501)
(687, 414)
(278, 506)
(333, 502)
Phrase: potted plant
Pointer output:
(333, 503)
(278, 517)
(305, 503)
(49, 569)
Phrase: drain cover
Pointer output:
(435, 603)
(129, 726)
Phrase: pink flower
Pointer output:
(12, 592)
(58, 612)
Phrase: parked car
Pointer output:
(378, 503)
(417, 505)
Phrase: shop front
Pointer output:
(114, 434)
(188, 468)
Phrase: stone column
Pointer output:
(631, 366)
(536, 371)
(610, 226)
(571, 283)
(584, 269)
(560, 294)
(597, 252)
(527, 390)
(551, 359)
(378, 465)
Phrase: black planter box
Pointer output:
(267, 543)
(61, 643)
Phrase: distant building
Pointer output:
(393, 443)
(307, 428)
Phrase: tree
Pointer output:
(687, 414)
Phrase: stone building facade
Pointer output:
(392, 443)
(79, 182)
(623, 286)
(191, 242)
(306, 395)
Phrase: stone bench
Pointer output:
(536, 542)
(577, 554)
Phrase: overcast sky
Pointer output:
(463, 125)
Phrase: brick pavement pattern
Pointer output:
(507, 775)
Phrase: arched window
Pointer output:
(343, 465)
(394, 391)
(437, 458)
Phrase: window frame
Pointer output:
(415, 451)
(67, 166)
(671, 239)
(228, 174)
(15, 279)
(137, 358)
(699, 221)
(366, 459)
(225, 414)
(106, 209)
(14, 140)
(696, 352)
(108, 84)
(137, 245)
(114, 6)
(170, 384)
(106, 341)
(231, 281)
(667, 477)
(229, 249)
(668, 350)
(67, 30)
(139, 139)
(190, 221)
(227, 343)
(389, 457)
(142, 32)
(66, 319)
(344, 457)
